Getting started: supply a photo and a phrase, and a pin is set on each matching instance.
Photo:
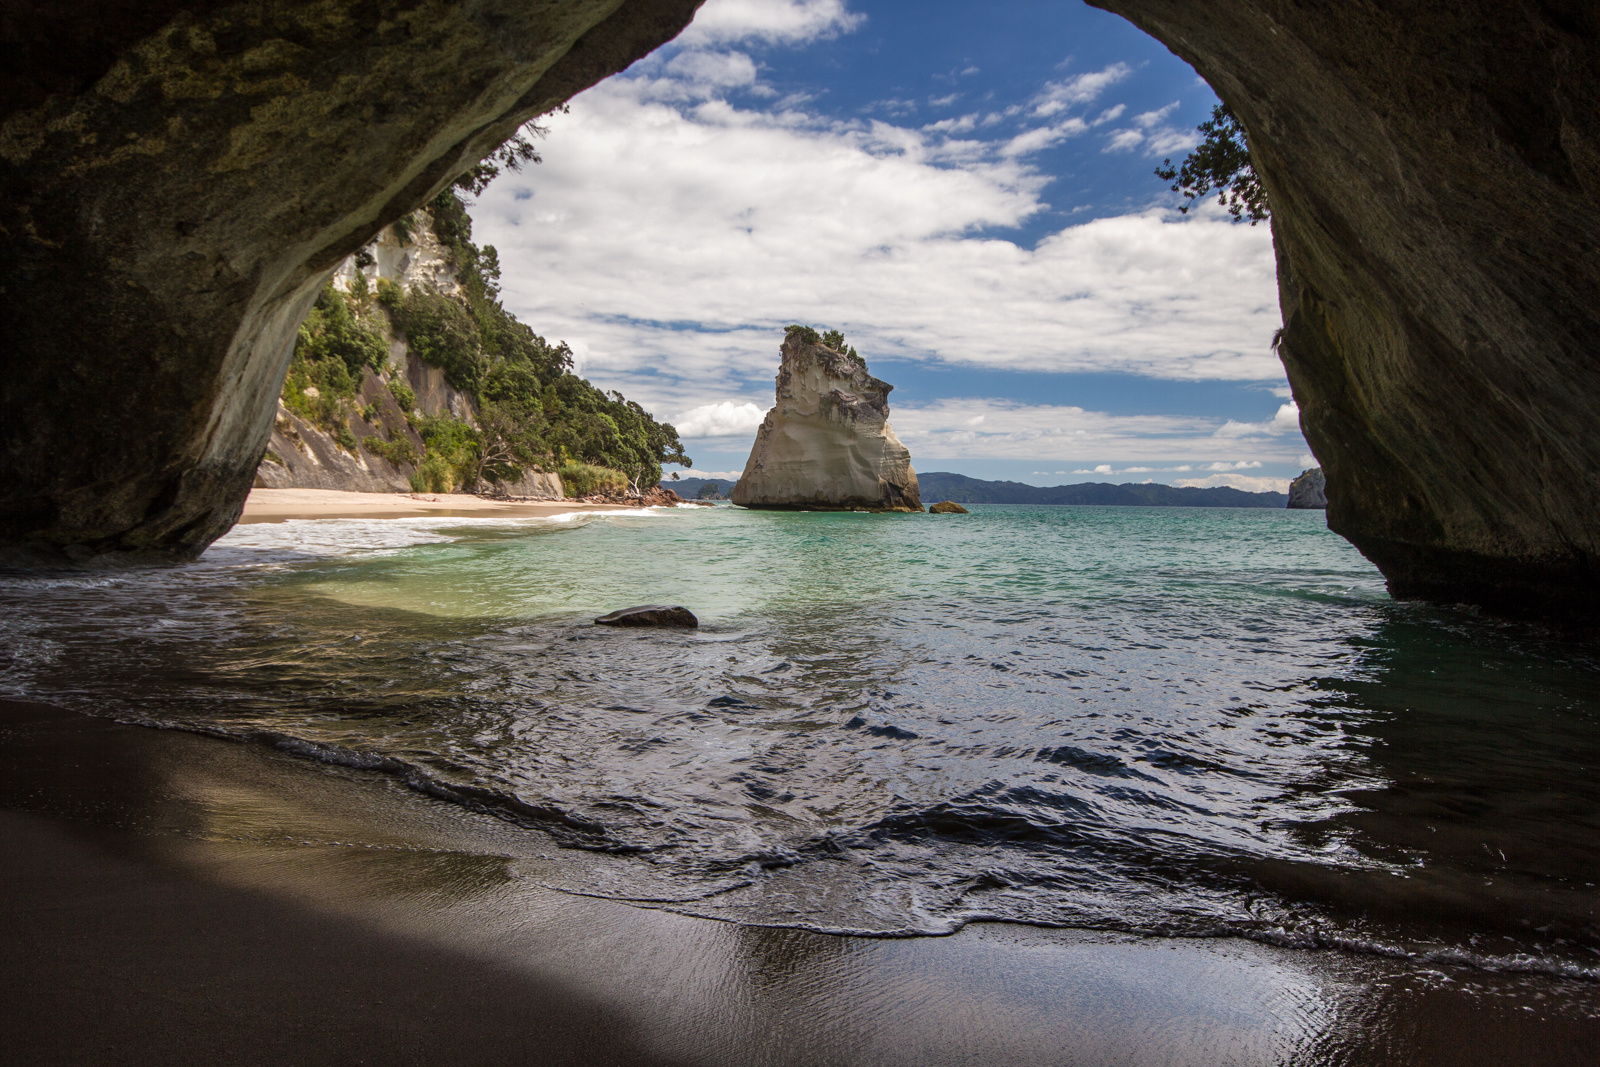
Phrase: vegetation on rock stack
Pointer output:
(532, 411)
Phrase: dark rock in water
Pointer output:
(948, 507)
(649, 615)
(1309, 491)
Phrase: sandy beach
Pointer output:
(280, 505)
(220, 902)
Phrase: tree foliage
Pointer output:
(515, 153)
(533, 410)
(1220, 164)
(336, 341)
(833, 339)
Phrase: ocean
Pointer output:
(1157, 721)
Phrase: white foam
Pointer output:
(347, 536)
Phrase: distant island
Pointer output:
(940, 485)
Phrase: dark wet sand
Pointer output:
(172, 898)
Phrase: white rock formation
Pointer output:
(827, 443)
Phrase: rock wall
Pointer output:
(827, 442)
(1309, 491)
(179, 179)
(302, 455)
(1434, 174)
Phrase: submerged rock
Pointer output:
(1309, 491)
(827, 444)
(649, 615)
(948, 507)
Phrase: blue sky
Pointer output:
(966, 190)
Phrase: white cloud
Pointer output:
(1153, 134)
(1248, 483)
(670, 234)
(724, 419)
(1056, 97)
(647, 215)
(769, 21)
(1101, 443)
(1287, 420)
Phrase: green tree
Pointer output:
(1220, 164)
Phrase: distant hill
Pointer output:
(940, 485)
(689, 488)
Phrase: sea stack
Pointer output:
(826, 445)
(1309, 491)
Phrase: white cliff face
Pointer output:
(827, 443)
(422, 260)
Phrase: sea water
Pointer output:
(1167, 721)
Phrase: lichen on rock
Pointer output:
(827, 445)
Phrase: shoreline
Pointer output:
(282, 505)
(170, 896)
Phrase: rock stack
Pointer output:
(826, 445)
(1309, 491)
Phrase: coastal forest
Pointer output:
(529, 411)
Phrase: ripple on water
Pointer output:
(1157, 720)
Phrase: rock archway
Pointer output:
(177, 178)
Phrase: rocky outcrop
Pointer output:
(303, 455)
(1434, 174)
(1309, 490)
(179, 179)
(827, 443)
(650, 615)
(947, 507)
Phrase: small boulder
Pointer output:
(948, 507)
(649, 615)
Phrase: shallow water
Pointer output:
(1169, 721)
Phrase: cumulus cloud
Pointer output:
(769, 21)
(1059, 96)
(672, 232)
(1248, 483)
(647, 216)
(1287, 420)
(1152, 134)
(724, 419)
(969, 428)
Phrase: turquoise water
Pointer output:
(1168, 721)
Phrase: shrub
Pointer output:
(583, 479)
(454, 444)
(346, 440)
(433, 476)
(443, 334)
(403, 394)
(389, 294)
(398, 451)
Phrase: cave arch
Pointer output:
(177, 179)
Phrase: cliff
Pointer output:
(827, 442)
(179, 180)
(1309, 491)
(1434, 178)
